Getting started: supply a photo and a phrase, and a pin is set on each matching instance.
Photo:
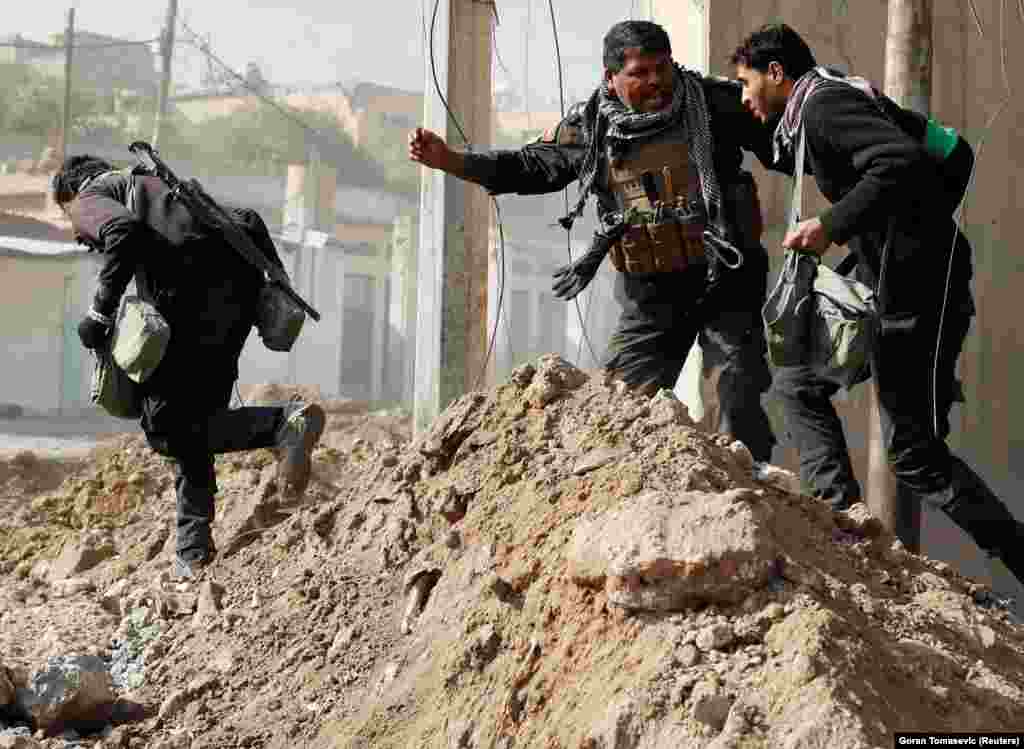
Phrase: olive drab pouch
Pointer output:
(843, 327)
(140, 339)
(112, 390)
(279, 320)
(787, 311)
(817, 317)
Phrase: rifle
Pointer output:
(209, 213)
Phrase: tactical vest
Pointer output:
(657, 188)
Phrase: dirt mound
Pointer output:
(557, 562)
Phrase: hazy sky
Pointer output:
(324, 41)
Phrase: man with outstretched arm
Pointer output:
(660, 150)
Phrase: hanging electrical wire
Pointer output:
(977, 18)
(960, 215)
(494, 200)
(565, 194)
(196, 41)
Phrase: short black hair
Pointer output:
(648, 37)
(73, 172)
(779, 43)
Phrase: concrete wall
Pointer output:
(45, 368)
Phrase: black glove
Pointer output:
(573, 278)
(94, 330)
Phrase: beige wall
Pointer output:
(44, 366)
(379, 233)
(967, 91)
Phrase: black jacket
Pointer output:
(553, 163)
(869, 161)
(207, 293)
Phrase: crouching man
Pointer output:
(209, 296)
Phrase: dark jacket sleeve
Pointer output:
(732, 123)
(549, 164)
(103, 222)
(847, 128)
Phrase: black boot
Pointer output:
(303, 425)
(986, 518)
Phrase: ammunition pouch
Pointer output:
(659, 248)
(279, 319)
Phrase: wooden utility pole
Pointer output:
(166, 62)
(454, 261)
(69, 45)
(908, 82)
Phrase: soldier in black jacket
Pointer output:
(660, 148)
(893, 178)
(208, 295)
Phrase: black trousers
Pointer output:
(917, 387)
(663, 314)
(186, 418)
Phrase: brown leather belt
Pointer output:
(659, 248)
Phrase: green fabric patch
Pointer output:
(939, 140)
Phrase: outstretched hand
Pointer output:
(428, 148)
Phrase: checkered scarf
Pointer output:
(807, 85)
(607, 120)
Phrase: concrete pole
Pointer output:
(166, 61)
(908, 82)
(402, 312)
(452, 333)
(69, 45)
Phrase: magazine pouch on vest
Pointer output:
(658, 191)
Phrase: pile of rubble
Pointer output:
(557, 562)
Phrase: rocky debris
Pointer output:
(66, 587)
(208, 603)
(552, 377)
(11, 741)
(66, 691)
(597, 459)
(666, 409)
(417, 586)
(137, 641)
(6, 688)
(177, 701)
(660, 552)
(112, 598)
(471, 589)
(83, 554)
(780, 478)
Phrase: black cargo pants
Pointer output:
(186, 419)
(664, 313)
(916, 391)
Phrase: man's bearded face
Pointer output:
(646, 81)
(764, 93)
